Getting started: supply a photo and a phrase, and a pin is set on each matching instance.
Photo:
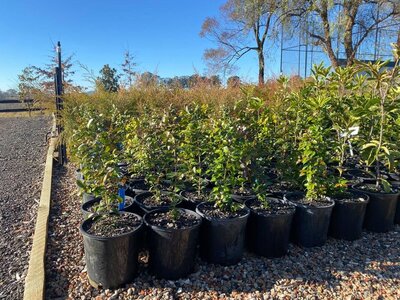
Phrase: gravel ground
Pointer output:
(365, 269)
(22, 157)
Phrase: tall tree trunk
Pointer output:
(327, 35)
(350, 11)
(261, 67)
(348, 42)
(398, 39)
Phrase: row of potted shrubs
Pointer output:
(329, 146)
(173, 242)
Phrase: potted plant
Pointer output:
(158, 158)
(378, 147)
(112, 238)
(269, 225)
(100, 157)
(193, 154)
(314, 208)
(224, 220)
(251, 140)
(343, 87)
(172, 241)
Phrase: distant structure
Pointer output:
(298, 55)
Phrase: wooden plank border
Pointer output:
(35, 279)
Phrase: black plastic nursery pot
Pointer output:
(86, 206)
(348, 216)
(397, 214)
(222, 240)
(111, 261)
(243, 198)
(86, 197)
(138, 185)
(144, 209)
(78, 174)
(268, 235)
(358, 174)
(188, 202)
(381, 209)
(310, 223)
(172, 251)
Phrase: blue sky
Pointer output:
(163, 35)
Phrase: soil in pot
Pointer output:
(138, 185)
(222, 234)
(268, 228)
(311, 220)
(241, 195)
(147, 201)
(89, 208)
(279, 189)
(348, 215)
(172, 242)
(381, 209)
(190, 199)
(358, 175)
(111, 244)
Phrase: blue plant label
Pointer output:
(121, 193)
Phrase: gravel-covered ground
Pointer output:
(365, 269)
(22, 157)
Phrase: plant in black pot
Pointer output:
(224, 220)
(379, 149)
(251, 142)
(314, 208)
(193, 155)
(112, 238)
(350, 206)
(100, 157)
(269, 225)
(344, 89)
(80, 137)
(172, 240)
(159, 157)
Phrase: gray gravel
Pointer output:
(22, 157)
(365, 269)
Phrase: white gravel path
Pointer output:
(22, 157)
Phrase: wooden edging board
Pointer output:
(35, 279)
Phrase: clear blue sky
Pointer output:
(162, 34)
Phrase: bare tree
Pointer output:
(351, 23)
(128, 69)
(29, 89)
(46, 74)
(243, 26)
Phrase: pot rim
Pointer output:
(103, 238)
(371, 192)
(308, 206)
(354, 192)
(222, 219)
(146, 194)
(98, 199)
(159, 228)
(292, 209)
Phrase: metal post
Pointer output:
(280, 68)
(299, 51)
(376, 36)
(58, 84)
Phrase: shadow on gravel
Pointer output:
(364, 268)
